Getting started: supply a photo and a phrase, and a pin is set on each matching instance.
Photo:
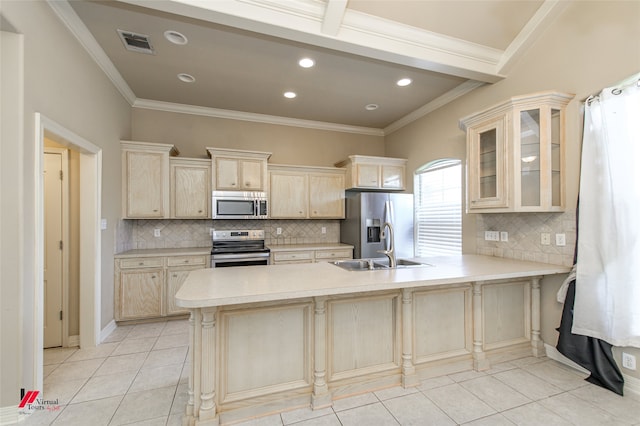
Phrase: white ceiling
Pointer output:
(244, 54)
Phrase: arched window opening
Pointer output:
(438, 208)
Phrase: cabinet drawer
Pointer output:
(292, 255)
(146, 262)
(186, 260)
(333, 254)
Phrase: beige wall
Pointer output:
(590, 46)
(63, 83)
(191, 134)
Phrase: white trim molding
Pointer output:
(253, 117)
(110, 328)
(9, 415)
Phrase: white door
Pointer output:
(53, 247)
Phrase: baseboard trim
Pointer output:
(108, 330)
(73, 341)
(555, 355)
(631, 384)
(9, 415)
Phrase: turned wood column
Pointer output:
(207, 410)
(480, 361)
(409, 377)
(320, 397)
(537, 345)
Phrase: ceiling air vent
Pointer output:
(136, 42)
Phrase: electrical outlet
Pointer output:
(278, 231)
(504, 236)
(491, 236)
(545, 239)
(211, 231)
(103, 224)
(156, 232)
(324, 230)
(628, 361)
(561, 240)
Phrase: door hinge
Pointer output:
(61, 245)
(60, 315)
(61, 175)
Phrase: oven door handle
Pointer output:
(245, 256)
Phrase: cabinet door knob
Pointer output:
(141, 263)
(186, 261)
(175, 276)
(153, 277)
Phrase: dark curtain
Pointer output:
(592, 354)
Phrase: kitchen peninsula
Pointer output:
(272, 338)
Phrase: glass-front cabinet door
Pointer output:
(486, 165)
(515, 153)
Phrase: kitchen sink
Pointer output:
(359, 265)
(376, 264)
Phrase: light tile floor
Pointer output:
(139, 376)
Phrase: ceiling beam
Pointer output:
(359, 34)
(333, 17)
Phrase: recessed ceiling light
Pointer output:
(290, 95)
(371, 107)
(187, 78)
(175, 37)
(404, 82)
(306, 62)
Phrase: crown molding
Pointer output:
(69, 17)
(538, 23)
(439, 102)
(253, 117)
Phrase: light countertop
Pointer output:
(191, 251)
(250, 284)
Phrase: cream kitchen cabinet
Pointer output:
(234, 170)
(190, 188)
(515, 155)
(309, 254)
(145, 179)
(303, 192)
(145, 287)
(375, 173)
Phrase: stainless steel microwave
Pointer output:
(239, 205)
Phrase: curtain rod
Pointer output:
(635, 78)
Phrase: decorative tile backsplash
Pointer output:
(524, 236)
(139, 234)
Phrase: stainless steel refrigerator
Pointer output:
(366, 213)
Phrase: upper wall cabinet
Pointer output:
(190, 188)
(302, 192)
(515, 155)
(145, 179)
(235, 170)
(375, 173)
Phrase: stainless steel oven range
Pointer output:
(238, 248)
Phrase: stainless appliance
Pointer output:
(239, 205)
(365, 216)
(238, 248)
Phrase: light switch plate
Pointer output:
(504, 236)
(561, 240)
(156, 232)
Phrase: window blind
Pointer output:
(438, 208)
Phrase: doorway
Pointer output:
(90, 187)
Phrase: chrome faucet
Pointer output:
(391, 254)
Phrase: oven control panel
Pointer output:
(236, 235)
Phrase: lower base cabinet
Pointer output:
(145, 287)
(281, 257)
